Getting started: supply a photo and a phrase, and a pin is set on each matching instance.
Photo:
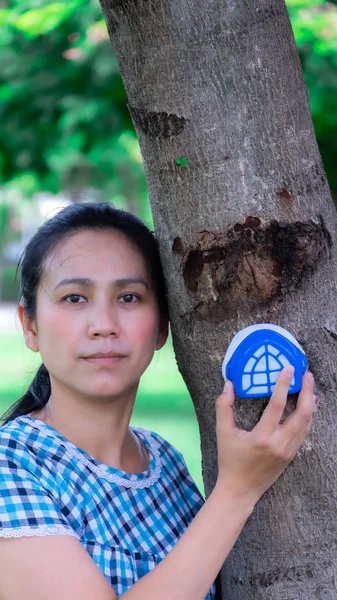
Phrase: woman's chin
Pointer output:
(109, 392)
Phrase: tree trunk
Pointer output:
(247, 232)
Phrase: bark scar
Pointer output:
(157, 124)
(253, 264)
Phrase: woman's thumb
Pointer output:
(224, 404)
(228, 386)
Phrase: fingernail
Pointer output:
(227, 386)
(289, 371)
(310, 377)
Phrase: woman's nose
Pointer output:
(104, 321)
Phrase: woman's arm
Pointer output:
(249, 463)
(188, 571)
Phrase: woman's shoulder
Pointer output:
(14, 434)
(23, 444)
(20, 428)
(29, 490)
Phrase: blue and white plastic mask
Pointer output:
(255, 357)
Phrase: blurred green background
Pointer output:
(66, 136)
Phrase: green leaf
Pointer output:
(183, 162)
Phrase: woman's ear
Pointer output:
(29, 329)
(163, 333)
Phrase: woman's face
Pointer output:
(96, 297)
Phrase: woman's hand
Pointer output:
(250, 462)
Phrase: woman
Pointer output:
(91, 507)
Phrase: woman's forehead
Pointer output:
(95, 252)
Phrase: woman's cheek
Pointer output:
(148, 332)
(57, 326)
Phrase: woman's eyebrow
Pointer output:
(89, 283)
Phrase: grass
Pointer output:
(163, 403)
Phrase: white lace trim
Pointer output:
(128, 480)
(43, 530)
(133, 482)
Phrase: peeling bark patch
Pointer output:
(177, 246)
(250, 223)
(293, 574)
(264, 14)
(283, 194)
(253, 264)
(158, 124)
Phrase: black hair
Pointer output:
(67, 222)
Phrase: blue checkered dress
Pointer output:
(127, 522)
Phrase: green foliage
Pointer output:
(43, 20)
(314, 24)
(64, 124)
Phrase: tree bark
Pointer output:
(247, 232)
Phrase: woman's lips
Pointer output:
(106, 360)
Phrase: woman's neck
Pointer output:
(103, 434)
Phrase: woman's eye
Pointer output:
(74, 299)
(129, 298)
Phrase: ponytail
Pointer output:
(35, 398)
